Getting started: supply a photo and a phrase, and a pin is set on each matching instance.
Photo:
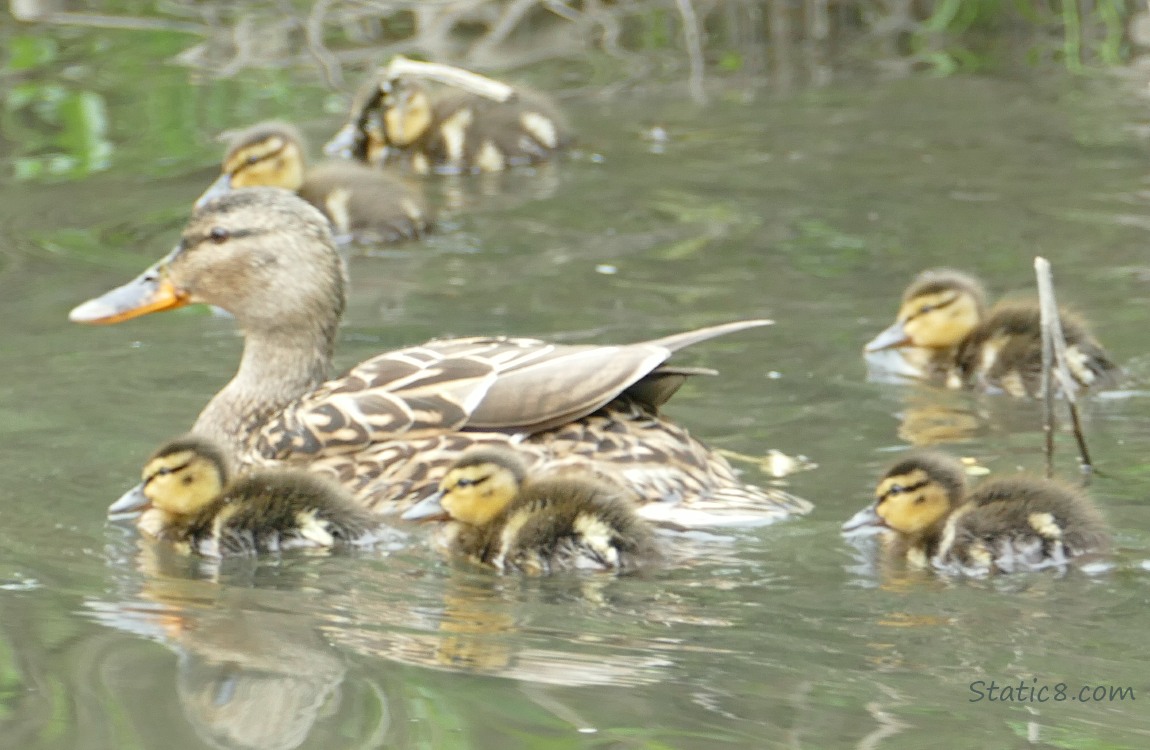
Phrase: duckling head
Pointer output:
(263, 254)
(914, 496)
(270, 154)
(477, 487)
(184, 475)
(385, 112)
(939, 309)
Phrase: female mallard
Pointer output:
(944, 333)
(193, 501)
(1003, 525)
(388, 429)
(362, 203)
(502, 517)
(448, 131)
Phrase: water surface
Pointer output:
(813, 209)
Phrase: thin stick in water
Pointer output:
(1052, 327)
(402, 67)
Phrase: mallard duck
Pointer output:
(502, 517)
(191, 499)
(1003, 525)
(360, 202)
(448, 131)
(388, 429)
(944, 333)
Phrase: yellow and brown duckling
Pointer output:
(500, 516)
(944, 333)
(1004, 525)
(362, 203)
(189, 498)
(447, 130)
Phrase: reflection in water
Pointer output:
(249, 674)
(476, 633)
(933, 416)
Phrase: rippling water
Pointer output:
(813, 209)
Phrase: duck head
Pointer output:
(915, 495)
(476, 489)
(270, 154)
(939, 309)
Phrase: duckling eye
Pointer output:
(219, 235)
(465, 483)
(253, 159)
(896, 489)
(927, 308)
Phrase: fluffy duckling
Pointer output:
(360, 202)
(1003, 525)
(191, 499)
(943, 332)
(503, 518)
(447, 130)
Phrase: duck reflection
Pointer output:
(252, 672)
(477, 632)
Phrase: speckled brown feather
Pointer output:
(1005, 351)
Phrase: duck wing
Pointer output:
(511, 385)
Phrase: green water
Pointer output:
(813, 209)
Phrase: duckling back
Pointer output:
(567, 523)
(271, 511)
(1021, 523)
(1005, 351)
(366, 203)
(471, 133)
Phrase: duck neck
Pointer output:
(278, 367)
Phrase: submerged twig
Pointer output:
(1054, 366)
(693, 38)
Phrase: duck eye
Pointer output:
(895, 489)
(219, 235)
(165, 471)
(253, 159)
(465, 483)
(926, 308)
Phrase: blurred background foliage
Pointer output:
(67, 63)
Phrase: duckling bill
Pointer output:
(500, 517)
(1002, 526)
(944, 333)
(361, 203)
(190, 499)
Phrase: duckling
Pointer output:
(1003, 525)
(360, 202)
(191, 500)
(944, 333)
(505, 519)
(448, 131)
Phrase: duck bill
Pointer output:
(149, 292)
(130, 502)
(892, 338)
(222, 186)
(428, 509)
(865, 519)
(343, 143)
